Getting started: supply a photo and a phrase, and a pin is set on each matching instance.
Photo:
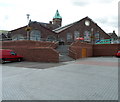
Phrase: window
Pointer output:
(18, 37)
(35, 35)
(69, 37)
(61, 39)
(87, 36)
(76, 35)
(13, 53)
(87, 23)
(97, 36)
(102, 38)
(51, 38)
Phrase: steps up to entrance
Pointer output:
(63, 56)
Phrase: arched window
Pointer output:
(61, 39)
(76, 35)
(69, 37)
(18, 37)
(51, 38)
(87, 36)
(97, 36)
(35, 35)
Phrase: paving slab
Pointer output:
(84, 79)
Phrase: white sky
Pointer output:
(103, 12)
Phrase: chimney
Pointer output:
(50, 22)
(114, 31)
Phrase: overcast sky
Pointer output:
(103, 12)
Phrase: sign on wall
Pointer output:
(104, 41)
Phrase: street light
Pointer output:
(28, 15)
(92, 36)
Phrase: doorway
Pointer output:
(84, 52)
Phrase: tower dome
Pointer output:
(57, 19)
(57, 15)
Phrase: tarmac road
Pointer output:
(84, 79)
(35, 65)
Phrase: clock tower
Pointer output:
(57, 19)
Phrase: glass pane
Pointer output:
(35, 35)
(87, 36)
(18, 37)
(51, 38)
(13, 53)
(76, 35)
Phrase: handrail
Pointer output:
(52, 44)
(73, 53)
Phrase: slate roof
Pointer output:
(113, 35)
(44, 25)
(63, 28)
(60, 29)
(66, 26)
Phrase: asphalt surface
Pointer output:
(84, 79)
(35, 65)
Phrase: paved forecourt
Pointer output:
(84, 79)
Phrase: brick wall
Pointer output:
(45, 32)
(75, 50)
(105, 49)
(26, 43)
(81, 28)
(34, 50)
(38, 54)
(45, 52)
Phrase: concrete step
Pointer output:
(63, 49)
(65, 58)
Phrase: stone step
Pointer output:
(63, 56)
(63, 49)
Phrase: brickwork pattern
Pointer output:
(80, 27)
(45, 32)
(28, 44)
(75, 50)
(105, 49)
(34, 50)
(45, 51)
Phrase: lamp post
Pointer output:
(28, 15)
(92, 36)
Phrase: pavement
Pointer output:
(85, 79)
(35, 65)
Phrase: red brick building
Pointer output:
(114, 37)
(85, 28)
(38, 31)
